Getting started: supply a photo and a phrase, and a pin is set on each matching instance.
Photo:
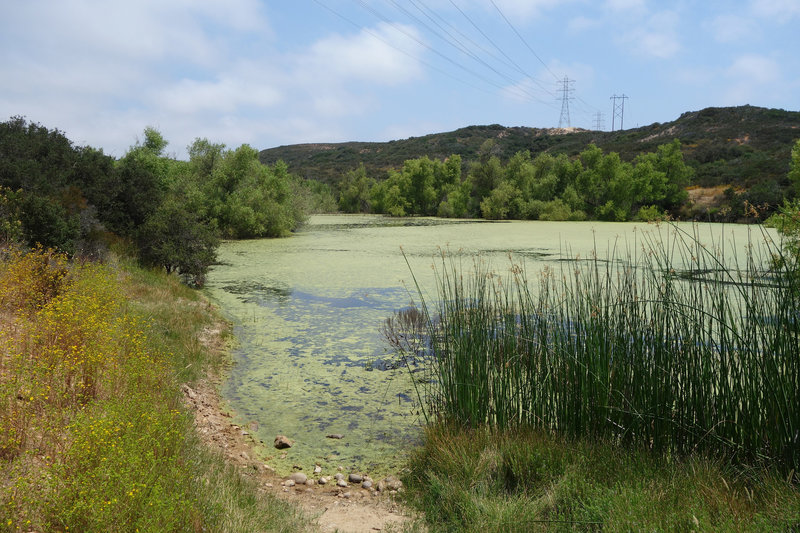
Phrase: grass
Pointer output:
(528, 480)
(612, 393)
(93, 433)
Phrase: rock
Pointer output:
(346, 495)
(338, 476)
(392, 483)
(341, 483)
(299, 478)
(317, 469)
(323, 480)
(367, 484)
(282, 442)
(355, 478)
(310, 482)
(289, 483)
(335, 436)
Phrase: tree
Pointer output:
(176, 239)
(355, 189)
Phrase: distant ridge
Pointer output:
(740, 146)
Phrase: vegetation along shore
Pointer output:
(656, 389)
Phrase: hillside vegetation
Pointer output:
(737, 154)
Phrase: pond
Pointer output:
(310, 359)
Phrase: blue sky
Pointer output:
(270, 73)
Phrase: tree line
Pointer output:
(167, 212)
(594, 185)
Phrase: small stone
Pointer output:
(341, 483)
(335, 436)
(310, 482)
(323, 480)
(346, 494)
(317, 469)
(299, 478)
(338, 476)
(392, 483)
(355, 478)
(289, 483)
(367, 484)
(282, 442)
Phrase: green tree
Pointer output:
(420, 179)
(176, 239)
(667, 189)
(355, 190)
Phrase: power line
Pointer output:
(388, 43)
(523, 39)
(516, 65)
(453, 41)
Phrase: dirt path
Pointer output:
(349, 510)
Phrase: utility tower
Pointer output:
(566, 90)
(619, 110)
(599, 121)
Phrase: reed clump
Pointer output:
(669, 347)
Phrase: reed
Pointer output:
(667, 347)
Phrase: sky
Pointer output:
(278, 72)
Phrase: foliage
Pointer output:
(595, 185)
(242, 197)
(93, 434)
(176, 239)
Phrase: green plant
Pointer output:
(668, 348)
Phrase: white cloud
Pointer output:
(657, 36)
(581, 23)
(778, 10)
(749, 76)
(626, 5)
(732, 28)
(385, 55)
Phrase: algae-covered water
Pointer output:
(310, 358)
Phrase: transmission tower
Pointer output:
(599, 121)
(566, 90)
(619, 110)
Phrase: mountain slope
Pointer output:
(739, 146)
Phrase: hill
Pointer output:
(741, 147)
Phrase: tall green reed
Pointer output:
(668, 346)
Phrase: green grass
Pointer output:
(527, 480)
(95, 436)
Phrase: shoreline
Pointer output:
(333, 508)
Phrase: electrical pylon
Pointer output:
(566, 90)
